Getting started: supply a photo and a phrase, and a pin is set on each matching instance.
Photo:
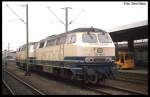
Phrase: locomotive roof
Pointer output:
(76, 30)
(91, 29)
(87, 30)
(29, 44)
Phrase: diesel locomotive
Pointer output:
(86, 54)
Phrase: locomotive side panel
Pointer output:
(49, 53)
(21, 55)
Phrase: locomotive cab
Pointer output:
(96, 50)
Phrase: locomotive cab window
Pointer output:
(71, 38)
(41, 45)
(58, 41)
(62, 40)
(89, 38)
(23, 48)
(19, 49)
(35, 46)
(104, 38)
(51, 42)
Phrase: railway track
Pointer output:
(6, 89)
(137, 81)
(125, 90)
(136, 78)
(17, 86)
(103, 89)
(107, 90)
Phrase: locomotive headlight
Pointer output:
(108, 59)
(89, 59)
(99, 50)
(111, 59)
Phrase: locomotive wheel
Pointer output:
(98, 79)
(102, 79)
(62, 73)
(94, 79)
(85, 79)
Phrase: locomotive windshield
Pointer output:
(104, 38)
(92, 38)
(89, 38)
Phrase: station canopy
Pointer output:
(132, 31)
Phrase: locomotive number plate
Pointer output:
(99, 50)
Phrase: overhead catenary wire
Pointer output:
(55, 15)
(13, 20)
(53, 21)
(76, 17)
(15, 13)
(82, 23)
(62, 21)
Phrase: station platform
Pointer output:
(135, 71)
(137, 75)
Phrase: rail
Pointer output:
(27, 88)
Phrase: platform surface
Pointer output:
(136, 70)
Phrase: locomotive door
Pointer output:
(61, 48)
(61, 52)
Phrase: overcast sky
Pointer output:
(42, 23)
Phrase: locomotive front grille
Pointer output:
(92, 59)
(99, 60)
